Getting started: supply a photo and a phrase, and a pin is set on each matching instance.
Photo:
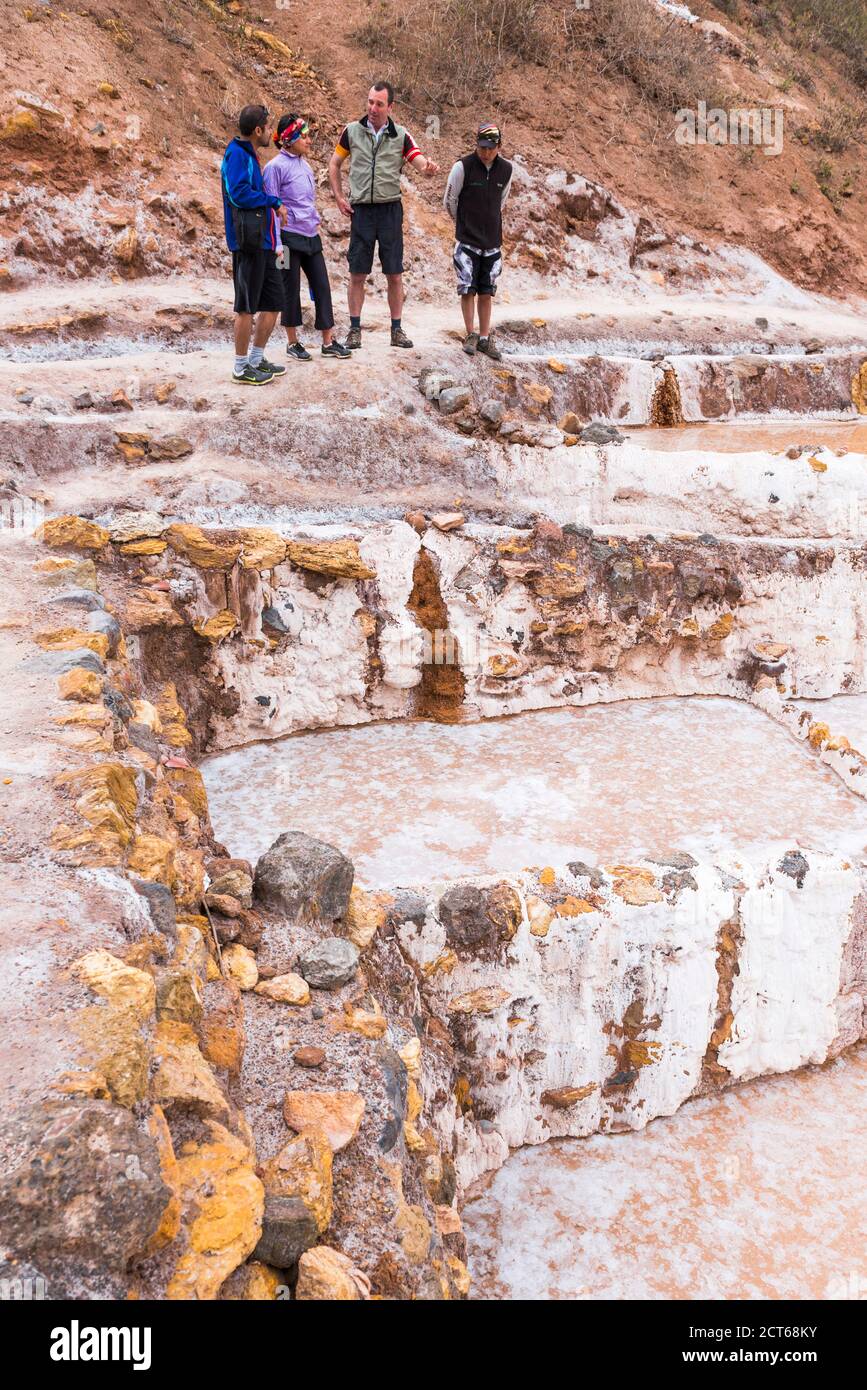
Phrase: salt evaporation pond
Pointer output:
(754, 1194)
(414, 801)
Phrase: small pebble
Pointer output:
(309, 1056)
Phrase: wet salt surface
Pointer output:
(754, 1194)
(409, 802)
(749, 436)
(844, 714)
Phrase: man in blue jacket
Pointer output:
(253, 237)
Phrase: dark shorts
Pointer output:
(372, 223)
(258, 288)
(477, 270)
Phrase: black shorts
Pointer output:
(478, 271)
(258, 288)
(372, 223)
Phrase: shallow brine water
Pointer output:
(412, 801)
(754, 1194)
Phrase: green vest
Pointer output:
(374, 169)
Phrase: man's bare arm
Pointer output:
(335, 178)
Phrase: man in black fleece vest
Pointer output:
(475, 196)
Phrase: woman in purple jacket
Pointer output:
(290, 178)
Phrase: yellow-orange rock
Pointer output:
(341, 559)
(635, 886)
(189, 884)
(302, 1169)
(460, 1275)
(223, 1204)
(72, 531)
(171, 1218)
(106, 797)
(353, 1020)
(540, 916)
(216, 629)
(719, 630)
(415, 1233)
(90, 716)
(80, 684)
(410, 1055)
(572, 907)
(565, 1096)
(120, 984)
(153, 857)
(189, 781)
(222, 1027)
(143, 712)
(285, 989)
(183, 1076)
(537, 396)
(329, 1275)
(149, 608)
(337, 1114)
(207, 550)
(252, 1282)
(261, 548)
(70, 639)
(479, 1001)
(174, 720)
(365, 915)
(151, 545)
(859, 389)
(239, 964)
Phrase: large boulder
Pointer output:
(304, 878)
(80, 1179)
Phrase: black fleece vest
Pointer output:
(479, 220)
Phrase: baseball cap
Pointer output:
(488, 135)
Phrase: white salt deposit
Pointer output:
(844, 714)
(414, 801)
(749, 1195)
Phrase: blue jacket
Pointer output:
(241, 177)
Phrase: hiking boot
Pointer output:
(399, 338)
(298, 353)
(490, 349)
(471, 342)
(353, 338)
(271, 368)
(335, 349)
(251, 376)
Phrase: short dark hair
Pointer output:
(251, 117)
(385, 87)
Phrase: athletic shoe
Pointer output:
(353, 338)
(471, 342)
(399, 338)
(335, 349)
(251, 376)
(272, 368)
(490, 349)
(298, 353)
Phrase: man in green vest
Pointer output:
(377, 149)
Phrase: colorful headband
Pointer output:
(292, 132)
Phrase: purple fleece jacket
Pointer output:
(290, 178)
